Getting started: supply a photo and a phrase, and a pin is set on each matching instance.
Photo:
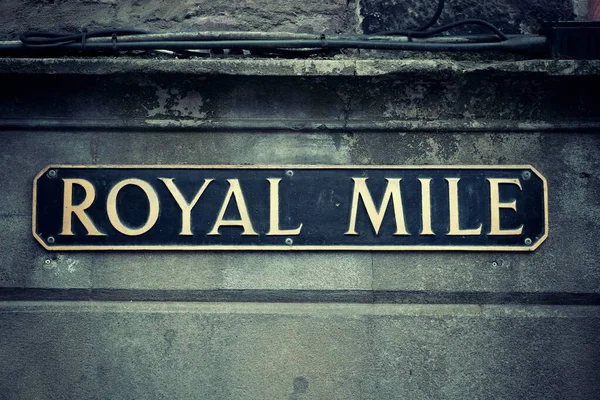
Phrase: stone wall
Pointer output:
(329, 16)
(299, 325)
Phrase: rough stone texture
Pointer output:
(271, 339)
(392, 101)
(338, 66)
(27, 265)
(18, 16)
(511, 16)
(383, 92)
(19, 155)
(567, 262)
(581, 9)
(216, 148)
(332, 16)
(303, 351)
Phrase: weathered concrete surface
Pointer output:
(26, 265)
(189, 15)
(376, 94)
(19, 155)
(508, 113)
(567, 262)
(304, 351)
(337, 66)
(113, 346)
(511, 16)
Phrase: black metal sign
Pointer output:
(290, 208)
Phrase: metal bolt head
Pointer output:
(526, 175)
(528, 241)
(52, 174)
(50, 239)
(289, 241)
(289, 172)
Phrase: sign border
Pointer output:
(292, 247)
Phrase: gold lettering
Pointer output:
(496, 206)
(426, 206)
(113, 214)
(274, 212)
(392, 192)
(235, 191)
(79, 210)
(455, 229)
(186, 208)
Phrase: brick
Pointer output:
(511, 16)
(160, 16)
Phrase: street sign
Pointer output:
(493, 208)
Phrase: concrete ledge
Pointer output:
(292, 67)
(295, 125)
(16, 294)
(322, 310)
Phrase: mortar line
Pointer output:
(320, 310)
